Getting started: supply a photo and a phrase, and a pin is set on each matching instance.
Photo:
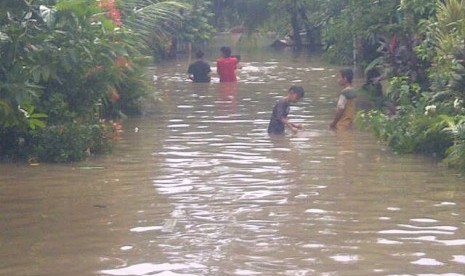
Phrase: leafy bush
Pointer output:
(456, 153)
(12, 144)
(59, 143)
(70, 142)
(64, 65)
(409, 132)
(402, 91)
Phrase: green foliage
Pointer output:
(416, 128)
(63, 65)
(335, 55)
(70, 142)
(157, 22)
(456, 153)
(231, 13)
(195, 26)
(58, 143)
(34, 120)
(92, 63)
(431, 117)
(446, 33)
(16, 85)
(63, 53)
(409, 132)
(358, 25)
(302, 20)
(153, 18)
(402, 91)
(253, 14)
(414, 12)
(12, 144)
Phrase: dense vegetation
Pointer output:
(68, 67)
(423, 62)
(417, 47)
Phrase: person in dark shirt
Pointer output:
(199, 71)
(279, 121)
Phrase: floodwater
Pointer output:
(197, 187)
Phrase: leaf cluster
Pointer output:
(64, 63)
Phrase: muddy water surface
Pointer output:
(197, 187)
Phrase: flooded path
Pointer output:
(197, 187)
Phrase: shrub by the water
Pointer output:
(60, 143)
(71, 142)
(61, 63)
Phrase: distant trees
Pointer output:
(163, 24)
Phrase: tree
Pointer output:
(250, 14)
(354, 28)
(164, 23)
(195, 28)
(426, 80)
(65, 65)
(444, 47)
(63, 62)
(20, 26)
(156, 21)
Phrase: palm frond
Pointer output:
(450, 14)
(154, 17)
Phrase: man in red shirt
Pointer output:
(226, 65)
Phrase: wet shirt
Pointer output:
(347, 102)
(200, 70)
(226, 68)
(280, 111)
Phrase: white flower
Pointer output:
(25, 113)
(458, 103)
(430, 109)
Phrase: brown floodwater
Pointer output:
(197, 187)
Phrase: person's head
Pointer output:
(225, 51)
(345, 76)
(199, 54)
(372, 74)
(295, 93)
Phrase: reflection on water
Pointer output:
(197, 187)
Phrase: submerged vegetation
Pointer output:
(69, 68)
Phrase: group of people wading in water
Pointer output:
(226, 66)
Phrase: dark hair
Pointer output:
(298, 90)
(199, 54)
(226, 51)
(348, 74)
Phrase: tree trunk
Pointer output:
(308, 30)
(295, 31)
